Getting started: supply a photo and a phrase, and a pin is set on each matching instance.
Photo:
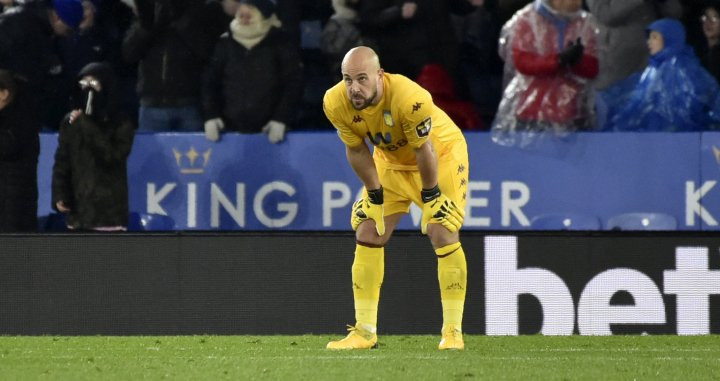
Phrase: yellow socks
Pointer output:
(452, 276)
(368, 270)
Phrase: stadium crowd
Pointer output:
(262, 66)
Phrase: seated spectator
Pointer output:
(171, 42)
(253, 82)
(710, 53)
(674, 92)
(90, 173)
(550, 50)
(19, 148)
(623, 23)
(438, 82)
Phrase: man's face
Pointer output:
(58, 26)
(711, 23)
(566, 6)
(361, 84)
(655, 42)
(246, 14)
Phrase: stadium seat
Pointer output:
(565, 221)
(149, 222)
(642, 221)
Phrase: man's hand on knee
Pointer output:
(439, 209)
(369, 208)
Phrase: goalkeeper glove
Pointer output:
(369, 208)
(439, 209)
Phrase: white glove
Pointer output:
(275, 131)
(213, 128)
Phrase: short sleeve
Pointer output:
(348, 137)
(417, 121)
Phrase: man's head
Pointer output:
(665, 34)
(362, 76)
(97, 83)
(66, 15)
(565, 6)
(266, 8)
(710, 20)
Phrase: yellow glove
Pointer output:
(369, 208)
(439, 209)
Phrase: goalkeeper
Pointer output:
(420, 156)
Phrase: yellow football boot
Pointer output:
(452, 338)
(358, 338)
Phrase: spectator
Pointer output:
(710, 52)
(623, 23)
(674, 93)
(75, 50)
(412, 34)
(438, 82)
(549, 47)
(253, 82)
(26, 41)
(479, 64)
(341, 33)
(172, 42)
(19, 148)
(90, 173)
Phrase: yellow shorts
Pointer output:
(403, 187)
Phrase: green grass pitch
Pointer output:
(397, 358)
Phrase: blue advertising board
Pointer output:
(245, 183)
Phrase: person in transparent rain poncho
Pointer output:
(550, 53)
(673, 93)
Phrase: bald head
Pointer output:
(362, 76)
(362, 58)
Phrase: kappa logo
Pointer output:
(357, 119)
(416, 107)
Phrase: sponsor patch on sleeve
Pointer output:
(423, 129)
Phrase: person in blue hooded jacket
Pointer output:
(673, 93)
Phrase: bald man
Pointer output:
(420, 156)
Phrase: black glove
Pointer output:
(572, 53)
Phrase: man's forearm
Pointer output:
(363, 164)
(427, 165)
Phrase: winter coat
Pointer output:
(622, 34)
(90, 171)
(171, 58)
(674, 93)
(542, 94)
(248, 88)
(26, 43)
(19, 149)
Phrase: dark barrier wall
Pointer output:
(290, 283)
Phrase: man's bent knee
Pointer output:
(366, 233)
(440, 236)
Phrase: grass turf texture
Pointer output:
(397, 358)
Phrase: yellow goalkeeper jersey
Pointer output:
(402, 121)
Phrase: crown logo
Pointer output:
(192, 161)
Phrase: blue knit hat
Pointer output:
(69, 11)
(266, 7)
